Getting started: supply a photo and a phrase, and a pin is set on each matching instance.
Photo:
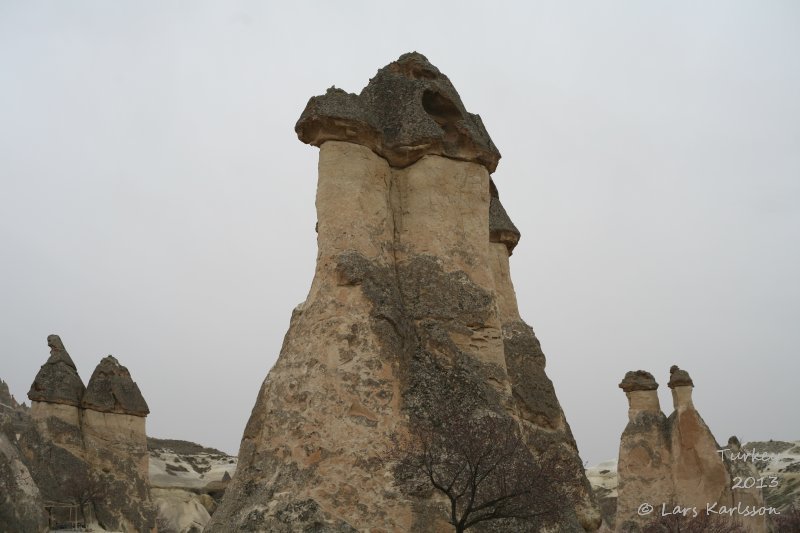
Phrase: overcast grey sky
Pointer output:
(155, 203)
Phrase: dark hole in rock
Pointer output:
(441, 109)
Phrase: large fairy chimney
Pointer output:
(411, 307)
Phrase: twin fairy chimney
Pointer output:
(90, 440)
(411, 317)
(110, 390)
(674, 461)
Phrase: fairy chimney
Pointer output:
(411, 305)
(644, 465)
(114, 436)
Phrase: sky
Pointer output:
(155, 203)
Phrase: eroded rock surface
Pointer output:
(87, 445)
(407, 111)
(6, 398)
(111, 390)
(116, 447)
(411, 308)
(698, 471)
(645, 453)
(58, 380)
(186, 482)
(21, 503)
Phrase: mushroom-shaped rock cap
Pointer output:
(408, 110)
(734, 444)
(637, 380)
(57, 380)
(111, 390)
(679, 378)
(501, 228)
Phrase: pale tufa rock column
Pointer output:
(644, 466)
(698, 472)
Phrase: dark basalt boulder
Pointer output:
(57, 380)
(111, 390)
(408, 110)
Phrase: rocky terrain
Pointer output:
(79, 454)
(782, 462)
(187, 482)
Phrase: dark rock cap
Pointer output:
(111, 390)
(501, 228)
(408, 110)
(57, 380)
(636, 380)
(679, 378)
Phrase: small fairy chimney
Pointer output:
(644, 452)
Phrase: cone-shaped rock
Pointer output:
(58, 380)
(111, 390)
(411, 317)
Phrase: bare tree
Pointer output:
(483, 466)
(82, 489)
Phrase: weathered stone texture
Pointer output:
(638, 380)
(501, 228)
(645, 460)
(111, 390)
(408, 110)
(754, 497)
(21, 504)
(58, 380)
(90, 440)
(6, 398)
(115, 441)
(411, 307)
(698, 472)
(673, 461)
(679, 378)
